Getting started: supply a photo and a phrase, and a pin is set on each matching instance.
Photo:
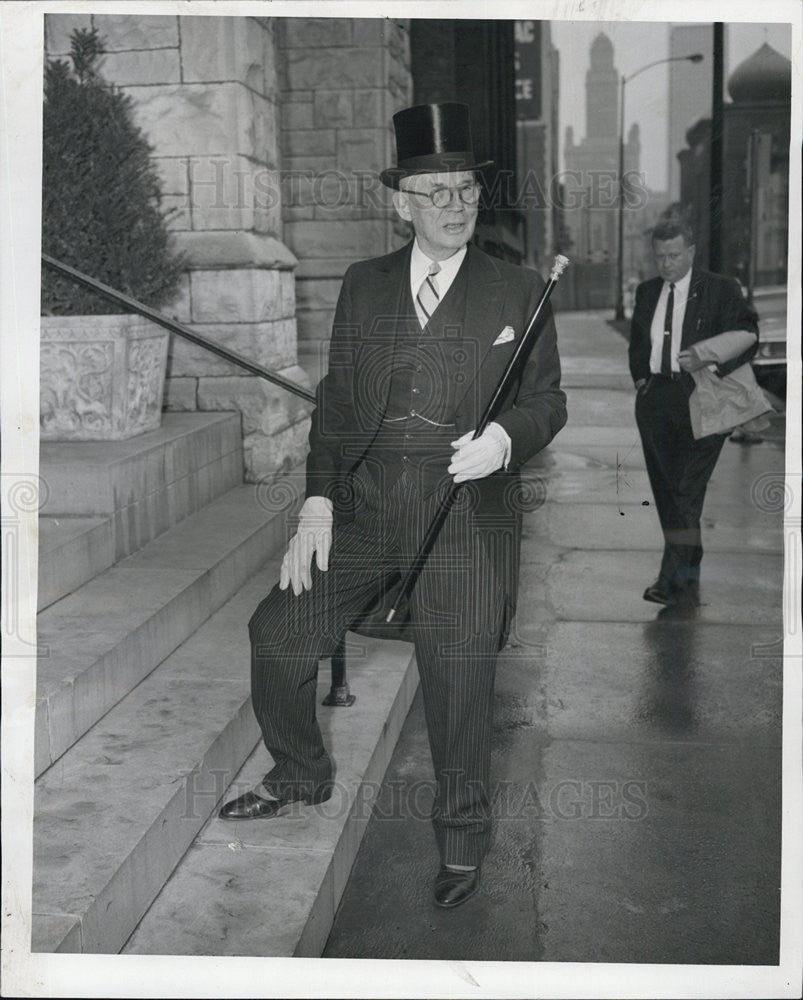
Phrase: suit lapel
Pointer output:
(387, 298)
(691, 317)
(385, 311)
(484, 303)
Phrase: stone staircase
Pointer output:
(153, 555)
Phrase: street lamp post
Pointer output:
(620, 278)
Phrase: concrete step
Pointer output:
(71, 551)
(101, 640)
(272, 888)
(116, 814)
(149, 483)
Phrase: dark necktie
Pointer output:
(666, 346)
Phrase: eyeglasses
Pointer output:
(441, 197)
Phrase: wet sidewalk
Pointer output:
(637, 755)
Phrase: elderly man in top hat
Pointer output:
(419, 340)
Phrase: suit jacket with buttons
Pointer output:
(352, 397)
(715, 304)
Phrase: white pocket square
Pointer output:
(505, 336)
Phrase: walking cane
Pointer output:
(519, 355)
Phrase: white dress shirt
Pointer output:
(657, 326)
(419, 268)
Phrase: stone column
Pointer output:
(206, 96)
(342, 79)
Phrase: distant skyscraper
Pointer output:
(602, 84)
(689, 91)
(592, 165)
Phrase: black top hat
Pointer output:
(431, 138)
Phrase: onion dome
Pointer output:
(766, 75)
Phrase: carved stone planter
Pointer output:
(102, 377)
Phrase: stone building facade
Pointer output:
(269, 135)
(263, 130)
(755, 184)
(341, 80)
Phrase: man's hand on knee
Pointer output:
(314, 537)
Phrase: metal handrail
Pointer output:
(339, 695)
(175, 327)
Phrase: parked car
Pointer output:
(770, 362)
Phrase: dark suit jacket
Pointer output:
(715, 304)
(352, 397)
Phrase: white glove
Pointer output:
(314, 535)
(476, 459)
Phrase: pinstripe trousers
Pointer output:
(456, 616)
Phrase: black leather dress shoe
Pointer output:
(658, 593)
(253, 806)
(454, 887)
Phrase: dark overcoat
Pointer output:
(373, 307)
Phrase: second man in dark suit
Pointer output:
(673, 311)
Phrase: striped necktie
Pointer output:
(427, 299)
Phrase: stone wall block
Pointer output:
(176, 211)
(311, 165)
(316, 32)
(326, 267)
(179, 308)
(315, 328)
(135, 31)
(368, 110)
(287, 293)
(310, 142)
(236, 296)
(370, 30)
(205, 120)
(317, 294)
(347, 67)
(59, 27)
(351, 193)
(346, 239)
(173, 173)
(362, 149)
(180, 394)
(266, 408)
(267, 215)
(298, 115)
(271, 344)
(262, 129)
(141, 68)
(298, 213)
(333, 108)
(227, 49)
(234, 192)
(221, 192)
(233, 249)
(266, 457)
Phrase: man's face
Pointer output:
(673, 257)
(440, 231)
